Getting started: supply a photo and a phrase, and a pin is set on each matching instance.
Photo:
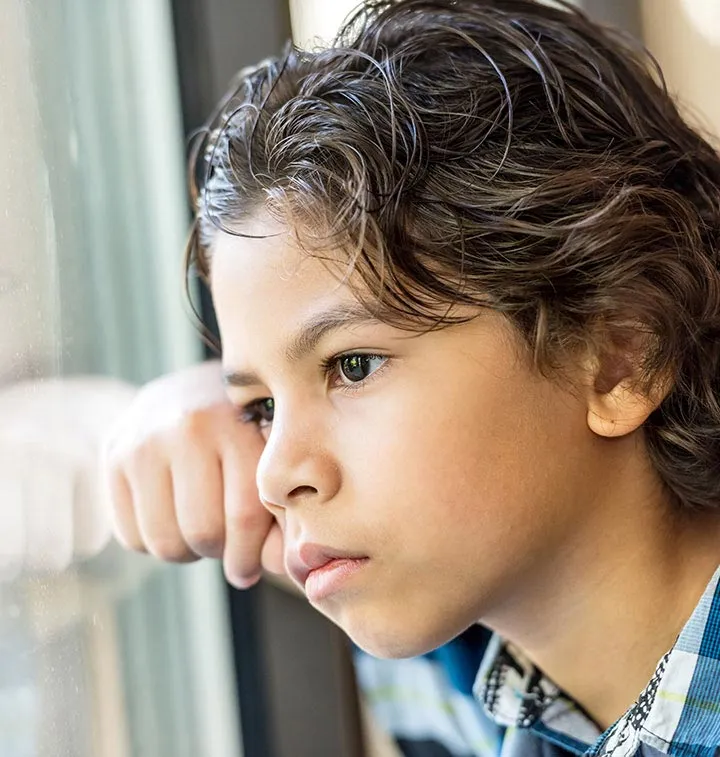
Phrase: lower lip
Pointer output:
(322, 582)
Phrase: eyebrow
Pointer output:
(308, 336)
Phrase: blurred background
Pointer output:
(118, 655)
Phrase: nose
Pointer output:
(297, 464)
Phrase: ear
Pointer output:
(616, 404)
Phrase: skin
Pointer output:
(477, 488)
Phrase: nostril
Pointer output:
(302, 491)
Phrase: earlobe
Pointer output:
(617, 403)
(620, 411)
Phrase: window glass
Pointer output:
(114, 654)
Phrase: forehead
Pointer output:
(265, 286)
(265, 263)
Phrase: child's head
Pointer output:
(525, 232)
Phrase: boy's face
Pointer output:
(442, 458)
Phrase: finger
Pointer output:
(198, 492)
(152, 490)
(247, 522)
(125, 527)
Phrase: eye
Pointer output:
(356, 368)
(260, 412)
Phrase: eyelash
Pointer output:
(251, 413)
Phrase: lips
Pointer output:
(307, 557)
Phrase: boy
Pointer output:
(465, 270)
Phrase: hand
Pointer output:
(52, 510)
(181, 474)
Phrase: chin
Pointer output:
(395, 640)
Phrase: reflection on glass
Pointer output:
(101, 652)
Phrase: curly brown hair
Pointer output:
(503, 154)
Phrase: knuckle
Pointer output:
(246, 520)
(195, 425)
(142, 458)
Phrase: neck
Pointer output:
(612, 602)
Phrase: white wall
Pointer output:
(316, 21)
(684, 35)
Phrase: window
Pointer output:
(119, 655)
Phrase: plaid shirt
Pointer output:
(426, 702)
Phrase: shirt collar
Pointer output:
(516, 694)
(678, 713)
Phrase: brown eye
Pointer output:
(266, 409)
(355, 368)
(260, 412)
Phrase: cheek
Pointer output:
(469, 467)
(464, 495)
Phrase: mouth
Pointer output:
(322, 571)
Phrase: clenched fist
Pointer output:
(181, 474)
